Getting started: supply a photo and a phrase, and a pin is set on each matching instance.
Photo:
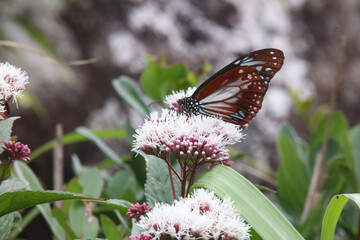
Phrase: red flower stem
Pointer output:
(171, 177)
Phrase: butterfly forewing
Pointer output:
(236, 92)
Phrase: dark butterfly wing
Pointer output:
(236, 92)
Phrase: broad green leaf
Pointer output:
(24, 173)
(81, 220)
(158, 186)
(61, 218)
(91, 182)
(292, 178)
(6, 223)
(5, 130)
(355, 140)
(159, 79)
(333, 212)
(254, 207)
(119, 182)
(14, 201)
(109, 227)
(77, 137)
(128, 91)
(108, 152)
(12, 184)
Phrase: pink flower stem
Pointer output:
(170, 175)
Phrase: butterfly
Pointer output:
(236, 92)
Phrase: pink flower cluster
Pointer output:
(12, 82)
(137, 210)
(17, 150)
(143, 236)
(194, 150)
(193, 140)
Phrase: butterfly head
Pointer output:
(189, 105)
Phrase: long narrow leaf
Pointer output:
(128, 91)
(333, 212)
(77, 137)
(254, 207)
(101, 145)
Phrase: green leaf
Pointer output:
(333, 212)
(339, 126)
(4, 171)
(12, 185)
(6, 223)
(91, 182)
(292, 178)
(26, 174)
(77, 137)
(355, 140)
(5, 130)
(254, 207)
(108, 152)
(158, 186)
(109, 227)
(14, 201)
(119, 182)
(81, 220)
(128, 91)
(159, 79)
(61, 218)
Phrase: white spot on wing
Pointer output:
(237, 62)
(258, 68)
(241, 70)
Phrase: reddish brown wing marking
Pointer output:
(236, 92)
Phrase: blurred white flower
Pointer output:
(192, 139)
(200, 216)
(12, 82)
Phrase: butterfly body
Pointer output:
(235, 93)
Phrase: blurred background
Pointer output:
(120, 33)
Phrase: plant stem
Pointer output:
(171, 177)
(317, 176)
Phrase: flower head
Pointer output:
(143, 236)
(17, 150)
(137, 210)
(12, 82)
(171, 100)
(201, 216)
(194, 139)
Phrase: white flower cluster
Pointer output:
(200, 216)
(154, 136)
(12, 82)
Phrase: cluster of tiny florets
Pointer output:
(200, 216)
(137, 210)
(142, 236)
(12, 82)
(195, 139)
(17, 150)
